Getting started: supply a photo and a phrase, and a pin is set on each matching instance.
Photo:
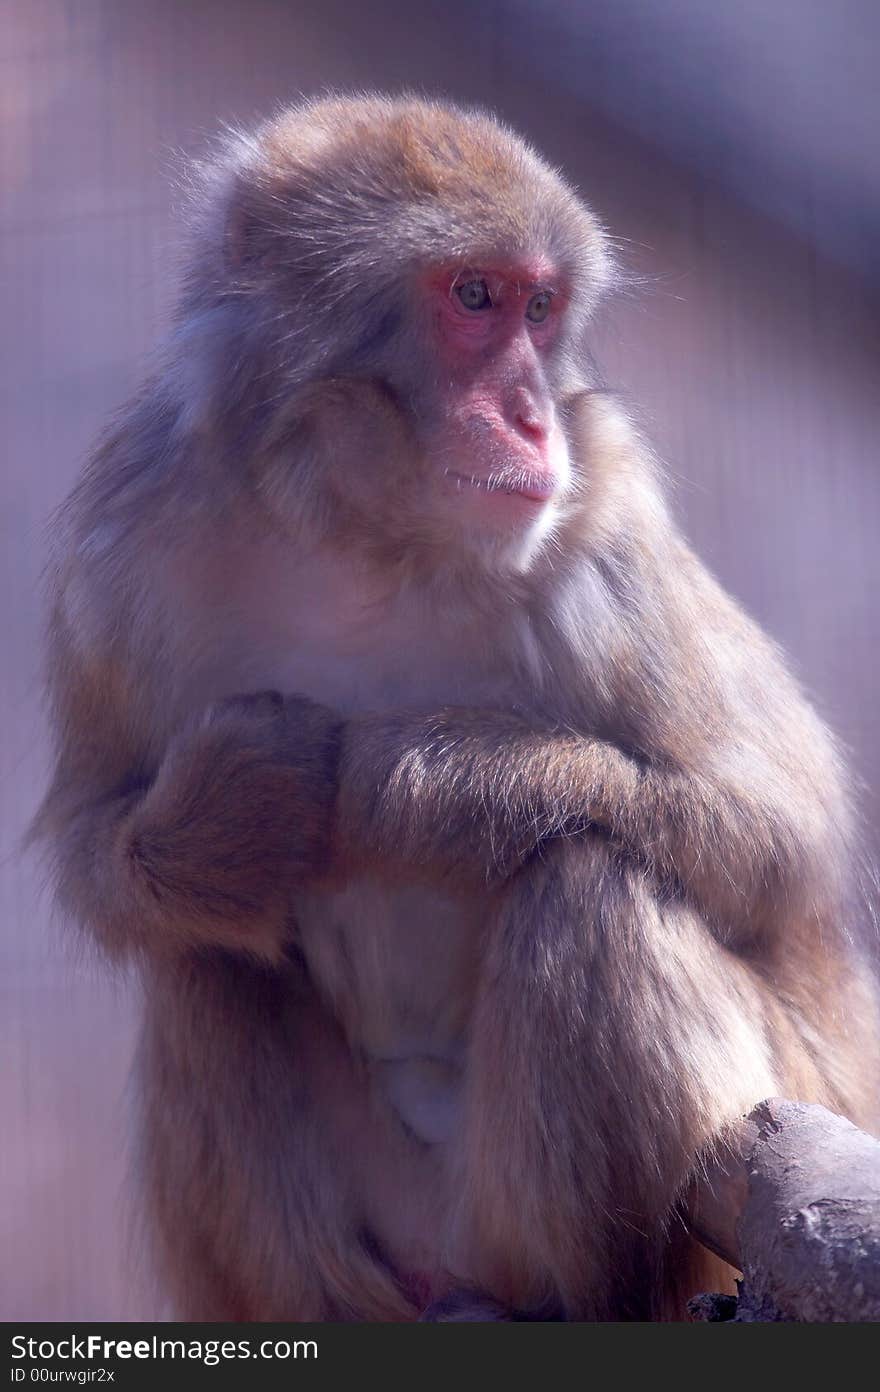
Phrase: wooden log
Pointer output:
(794, 1203)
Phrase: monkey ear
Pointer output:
(249, 237)
(244, 238)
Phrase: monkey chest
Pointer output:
(397, 967)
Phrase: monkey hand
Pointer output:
(237, 817)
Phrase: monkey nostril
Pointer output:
(531, 425)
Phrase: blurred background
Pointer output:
(732, 149)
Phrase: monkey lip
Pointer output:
(531, 488)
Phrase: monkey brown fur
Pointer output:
(461, 953)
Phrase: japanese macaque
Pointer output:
(481, 859)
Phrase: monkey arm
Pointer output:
(716, 777)
(480, 791)
(205, 851)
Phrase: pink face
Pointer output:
(497, 435)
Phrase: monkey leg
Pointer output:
(614, 1039)
(462, 1305)
(264, 1162)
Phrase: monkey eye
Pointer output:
(538, 307)
(474, 295)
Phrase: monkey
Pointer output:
(481, 860)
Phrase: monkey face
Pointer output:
(496, 456)
(454, 445)
(451, 441)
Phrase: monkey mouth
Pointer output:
(531, 488)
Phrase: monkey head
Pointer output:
(391, 309)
